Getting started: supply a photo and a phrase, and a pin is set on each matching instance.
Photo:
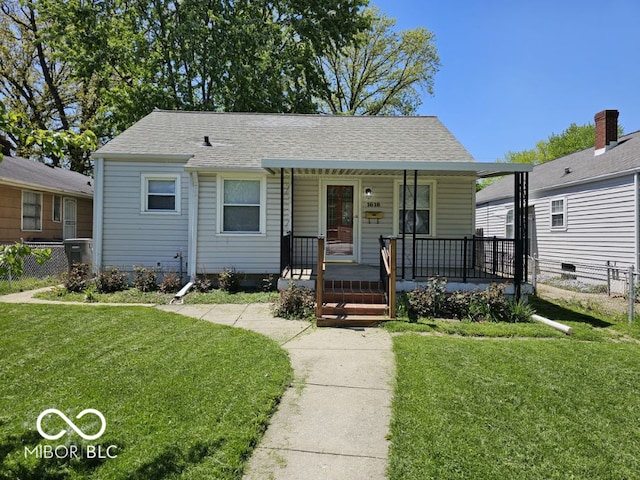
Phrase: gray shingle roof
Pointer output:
(36, 174)
(242, 140)
(583, 166)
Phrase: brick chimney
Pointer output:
(606, 131)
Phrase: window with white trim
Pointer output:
(422, 221)
(509, 224)
(160, 193)
(31, 211)
(56, 215)
(558, 214)
(241, 205)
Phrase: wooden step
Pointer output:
(350, 321)
(351, 296)
(340, 309)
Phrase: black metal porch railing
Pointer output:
(298, 252)
(462, 258)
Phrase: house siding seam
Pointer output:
(131, 237)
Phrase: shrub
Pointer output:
(520, 311)
(427, 302)
(112, 281)
(170, 283)
(229, 280)
(268, 283)
(203, 284)
(145, 279)
(295, 303)
(479, 306)
(77, 279)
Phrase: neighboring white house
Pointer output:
(254, 191)
(584, 208)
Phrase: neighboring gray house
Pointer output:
(254, 191)
(584, 208)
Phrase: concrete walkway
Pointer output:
(333, 420)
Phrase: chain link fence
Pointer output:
(608, 285)
(52, 268)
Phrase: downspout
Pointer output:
(194, 193)
(98, 213)
(636, 222)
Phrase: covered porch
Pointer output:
(418, 224)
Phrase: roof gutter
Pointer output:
(43, 188)
(170, 157)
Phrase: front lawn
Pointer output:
(133, 295)
(521, 408)
(182, 398)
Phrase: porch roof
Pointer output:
(391, 167)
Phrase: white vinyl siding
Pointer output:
(31, 211)
(247, 253)
(599, 223)
(132, 236)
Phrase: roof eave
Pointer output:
(478, 168)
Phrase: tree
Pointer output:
(38, 87)
(573, 139)
(382, 72)
(48, 143)
(101, 65)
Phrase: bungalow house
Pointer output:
(39, 202)
(584, 208)
(262, 192)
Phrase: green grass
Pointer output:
(182, 398)
(133, 295)
(27, 283)
(527, 409)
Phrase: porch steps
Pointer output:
(352, 303)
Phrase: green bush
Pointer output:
(170, 283)
(295, 303)
(229, 280)
(78, 278)
(112, 281)
(427, 302)
(145, 279)
(478, 306)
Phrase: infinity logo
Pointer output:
(71, 424)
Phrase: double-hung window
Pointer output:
(161, 193)
(558, 214)
(57, 209)
(241, 205)
(508, 224)
(31, 211)
(419, 219)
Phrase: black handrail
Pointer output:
(299, 252)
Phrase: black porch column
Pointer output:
(521, 233)
(403, 220)
(282, 265)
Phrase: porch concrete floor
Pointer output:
(337, 271)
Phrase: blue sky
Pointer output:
(513, 72)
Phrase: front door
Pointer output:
(340, 221)
(70, 218)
